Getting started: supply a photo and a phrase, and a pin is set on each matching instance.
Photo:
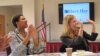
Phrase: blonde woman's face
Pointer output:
(73, 23)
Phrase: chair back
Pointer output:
(8, 50)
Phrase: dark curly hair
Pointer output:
(16, 19)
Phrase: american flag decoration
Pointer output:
(43, 26)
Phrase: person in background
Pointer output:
(23, 42)
(4, 42)
(74, 36)
(4, 45)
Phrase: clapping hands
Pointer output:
(31, 30)
(80, 25)
(32, 33)
(4, 42)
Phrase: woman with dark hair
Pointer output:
(23, 43)
(74, 36)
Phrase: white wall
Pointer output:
(27, 10)
(27, 5)
(51, 15)
(9, 12)
(3, 11)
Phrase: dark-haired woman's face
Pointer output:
(22, 23)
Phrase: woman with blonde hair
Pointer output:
(74, 36)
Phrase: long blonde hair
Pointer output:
(67, 30)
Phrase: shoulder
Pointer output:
(64, 37)
(12, 34)
(84, 32)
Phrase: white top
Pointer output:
(17, 47)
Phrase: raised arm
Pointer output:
(93, 26)
(34, 36)
(93, 35)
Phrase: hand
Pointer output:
(93, 25)
(79, 25)
(91, 22)
(31, 30)
(4, 42)
(80, 33)
(32, 33)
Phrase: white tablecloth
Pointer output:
(65, 54)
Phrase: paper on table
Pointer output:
(86, 53)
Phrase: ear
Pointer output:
(16, 23)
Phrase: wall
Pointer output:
(27, 8)
(51, 16)
(27, 5)
(9, 12)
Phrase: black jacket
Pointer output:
(79, 43)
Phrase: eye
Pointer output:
(23, 18)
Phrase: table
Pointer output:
(52, 47)
(86, 53)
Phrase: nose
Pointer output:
(25, 20)
(76, 23)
